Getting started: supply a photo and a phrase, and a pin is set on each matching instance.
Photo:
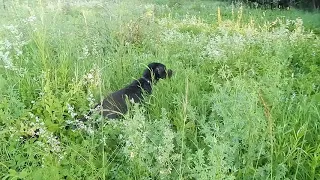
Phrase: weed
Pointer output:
(243, 102)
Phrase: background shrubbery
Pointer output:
(243, 103)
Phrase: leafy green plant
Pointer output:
(243, 102)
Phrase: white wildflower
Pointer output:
(31, 19)
(71, 111)
(7, 44)
(91, 99)
(85, 51)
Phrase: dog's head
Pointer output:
(157, 71)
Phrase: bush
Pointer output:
(243, 102)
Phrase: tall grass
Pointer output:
(243, 102)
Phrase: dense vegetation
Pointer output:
(282, 4)
(244, 102)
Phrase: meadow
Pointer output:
(243, 103)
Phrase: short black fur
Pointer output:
(115, 104)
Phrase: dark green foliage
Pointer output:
(243, 102)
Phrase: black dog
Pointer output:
(115, 105)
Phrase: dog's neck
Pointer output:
(148, 81)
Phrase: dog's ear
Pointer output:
(153, 65)
(151, 70)
(159, 71)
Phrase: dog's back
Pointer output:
(115, 104)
